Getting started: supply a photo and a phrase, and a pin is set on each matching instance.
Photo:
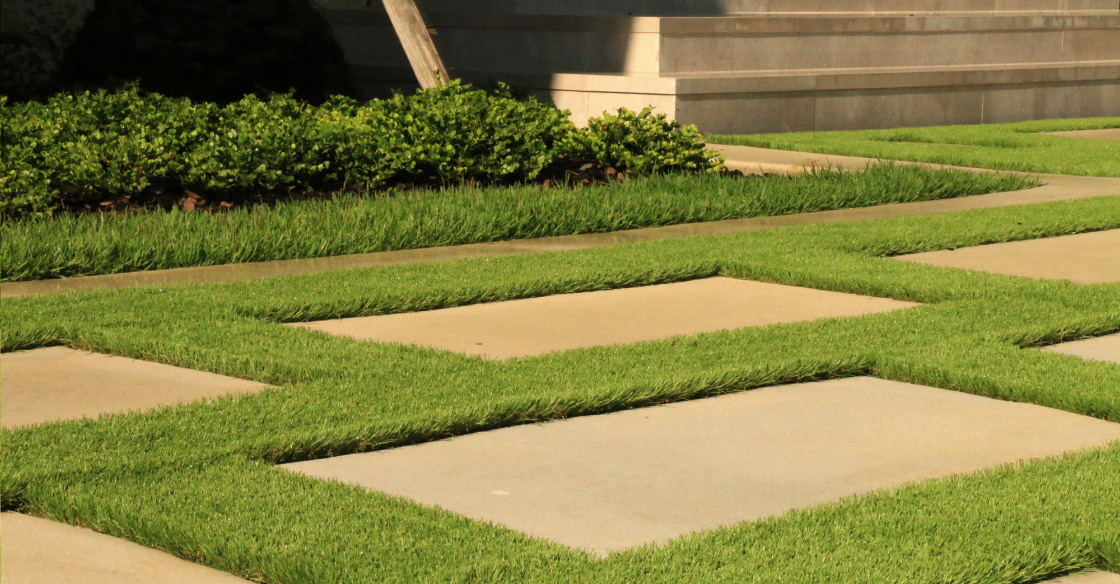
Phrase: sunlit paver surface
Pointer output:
(535, 326)
(1085, 258)
(610, 482)
(1105, 348)
(58, 383)
(38, 551)
(1104, 134)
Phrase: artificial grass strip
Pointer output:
(195, 479)
(69, 245)
(1015, 146)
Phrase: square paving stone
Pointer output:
(1085, 258)
(58, 383)
(38, 551)
(535, 326)
(1105, 348)
(610, 482)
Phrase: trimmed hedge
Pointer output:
(97, 146)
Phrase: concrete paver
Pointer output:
(1090, 577)
(58, 383)
(1106, 348)
(1085, 258)
(535, 326)
(38, 551)
(610, 482)
(754, 160)
(1106, 134)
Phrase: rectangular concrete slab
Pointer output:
(1085, 258)
(38, 551)
(1106, 134)
(1105, 348)
(1090, 577)
(535, 326)
(59, 383)
(609, 482)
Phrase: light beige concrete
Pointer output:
(38, 551)
(1105, 348)
(725, 7)
(1106, 134)
(1085, 258)
(610, 482)
(767, 160)
(871, 66)
(58, 383)
(1091, 577)
(745, 158)
(535, 326)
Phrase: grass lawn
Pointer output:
(1016, 146)
(69, 245)
(197, 480)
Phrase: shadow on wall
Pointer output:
(212, 50)
(520, 42)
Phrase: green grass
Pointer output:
(67, 246)
(197, 480)
(1017, 146)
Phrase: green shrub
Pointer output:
(257, 145)
(642, 144)
(459, 133)
(90, 147)
(93, 146)
(454, 132)
(26, 188)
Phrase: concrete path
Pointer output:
(58, 383)
(1056, 188)
(38, 551)
(534, 326)
(1105, 348)
(610, 482)
(1108, 134)
(1085, 258)
(753, 160)
(1091, 577)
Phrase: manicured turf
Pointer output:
(1017, 146)
(69, 245)
(197, 479)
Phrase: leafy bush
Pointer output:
(462, 134)
(255, 145)
(454, 132)
(642, 143)
(90, 147)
